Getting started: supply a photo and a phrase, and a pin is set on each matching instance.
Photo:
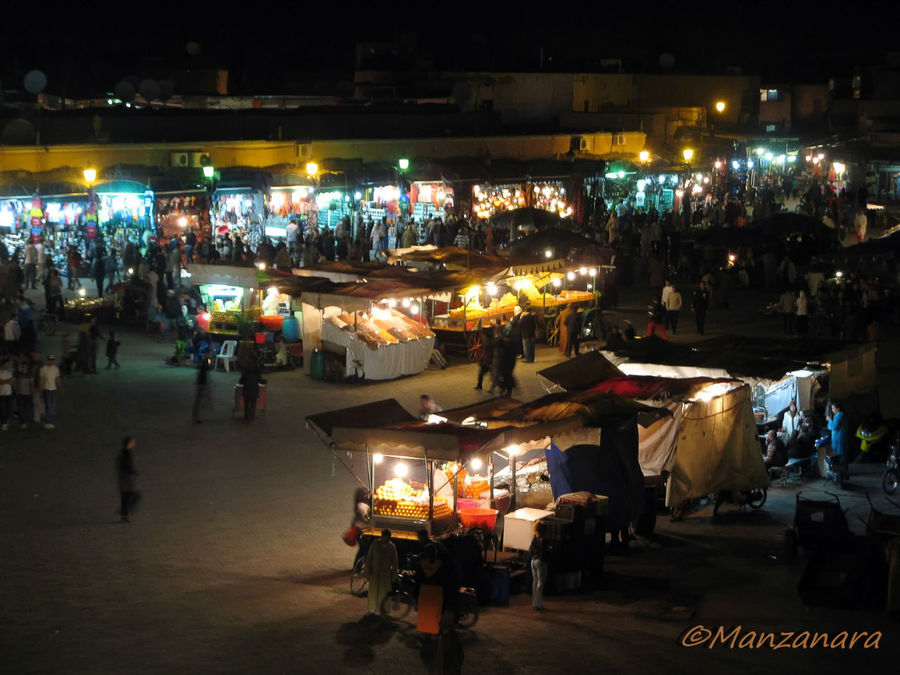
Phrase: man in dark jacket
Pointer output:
(126, 473)
(485, 360)
(251, 379)
(528, 329)
(700, 305)
(573, 330)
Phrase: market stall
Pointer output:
(230, 294)
(288, 203)
(362, 324)
(430, 200)
(119, 211)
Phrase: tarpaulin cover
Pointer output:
(227, 275)
(384, 412)
(610, 469)
(578, 374)
(648, 388)
(717, 448)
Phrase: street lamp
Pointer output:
(312, 168)
(644, 155)
(90, 175)
(403, 163)
(720, 107)
(688, 154)
(209, 171)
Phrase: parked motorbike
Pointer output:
(753, 498)
(830, 466)
(875, 439)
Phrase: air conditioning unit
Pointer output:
(578, 144)
(180, 159)
(619, 139)
(200, 159)
(304, 150)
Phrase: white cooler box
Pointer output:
(518, 527)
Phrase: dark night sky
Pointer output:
(88, 54)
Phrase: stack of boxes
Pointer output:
(576, 534)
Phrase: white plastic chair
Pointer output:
(226, 355)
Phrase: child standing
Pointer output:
(112, 348)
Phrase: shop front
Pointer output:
(332, 205)
(430, 200)
(549, 195)
(287, 204)
(236, 208)
(119, 212)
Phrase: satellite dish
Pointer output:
(125, 91)
(35, 81)
(18, 132)
(462, 94)
(193, 48)
(149, 89)
(667, 60)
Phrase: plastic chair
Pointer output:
(229, 347)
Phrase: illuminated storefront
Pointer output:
(233, 208)
(430, 200)
(552, 196)
(284, 204)
(331, 206)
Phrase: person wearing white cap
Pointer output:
(49, 383)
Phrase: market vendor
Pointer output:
(381, 569)
(776, 452)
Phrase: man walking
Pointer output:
(673, 307)
(125, 466)
(49, 383)
(251, 379)
(700, 306)
(31, 255)
(202, 393)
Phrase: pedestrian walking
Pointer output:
(11, 335)
(802, 314)
(655, 316)
(202, 393)
(49, 383)
(700, 306)
(112, 348)
(485, 358)
(6, 391)
(127, 474)
(251, 379)
(673, 308)
(24, 393)
(381, 569)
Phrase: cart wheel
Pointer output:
(790, 545)
(552, 332)
(359, 585)
(468, 609)
(758, 498)
(890, 480)
(397, 604)
(475, 342)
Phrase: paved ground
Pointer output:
(234, 562)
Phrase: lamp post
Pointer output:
(688, 154)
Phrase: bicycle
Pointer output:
(359, 584)
(404, 597)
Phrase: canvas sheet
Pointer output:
(717, 448)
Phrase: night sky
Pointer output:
(287, 48)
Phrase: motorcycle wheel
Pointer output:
(890, 481)
(757, 498)
(468, 610)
